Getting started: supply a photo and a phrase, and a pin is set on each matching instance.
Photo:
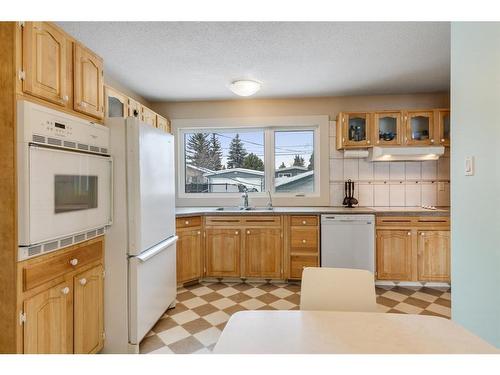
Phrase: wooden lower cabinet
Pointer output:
(189, 255)
(433, 255)
(222, 252)
(413, 248)
(63, 308)
(299, 262)
(263, 253)
(48, 326)
(302, 244)
(88, 311)
(394, 254)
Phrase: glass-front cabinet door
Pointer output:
(387, 128)
(419, 128)
(115, 103)
(444, 127)
(356, 130)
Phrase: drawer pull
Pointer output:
(73, 262)
(248, 232)
(83, 281)
(304, 222)
(236, 232)
(198, 232)
(409, 233)
(65, 290)
(422, 234)
(304, 241)
(186, 222)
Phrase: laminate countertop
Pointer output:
(386, 211)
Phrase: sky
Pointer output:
(287, 144)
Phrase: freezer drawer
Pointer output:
(152, 287)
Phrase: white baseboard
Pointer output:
(418, 284)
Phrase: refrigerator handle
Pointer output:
(143, 257)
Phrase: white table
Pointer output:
(295, 332)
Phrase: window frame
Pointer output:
(269, 125)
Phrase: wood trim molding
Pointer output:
(8, 187)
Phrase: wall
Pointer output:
(380, 184)
(390, 183)
(475, 98)
(298, 106)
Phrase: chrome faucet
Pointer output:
(245, 199)
(270, 201)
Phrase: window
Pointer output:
(74, 193)
(220, 158)
(294, 161)
(224, 161)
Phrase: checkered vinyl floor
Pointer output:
(202, 310)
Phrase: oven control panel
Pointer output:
(37, 123)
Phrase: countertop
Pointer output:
(407, 211)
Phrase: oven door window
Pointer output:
(75, 193)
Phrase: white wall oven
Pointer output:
(64, 180)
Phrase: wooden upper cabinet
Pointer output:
(419, 128)
(148, 116)
(433, 255)
(89, 311)
(223, 252)
(116, 104)
(394, 254)
(189, 255)
(88, 82)
(48, 326)
(134, 108)
(263, 252)
(443, 126)
(44, 62)
(387, 129)
(353, 130)
(163, 123)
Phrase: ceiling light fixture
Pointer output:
(245, 87)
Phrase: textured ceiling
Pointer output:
(174, 61)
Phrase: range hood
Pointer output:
(405, 153)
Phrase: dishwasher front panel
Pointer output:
(348, 241)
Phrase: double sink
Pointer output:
(239, 209)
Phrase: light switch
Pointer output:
(469, 166)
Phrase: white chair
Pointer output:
(337, 289)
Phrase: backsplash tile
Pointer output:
(395, 184)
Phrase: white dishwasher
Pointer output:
(348, 241)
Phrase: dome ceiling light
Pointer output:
(245, 87)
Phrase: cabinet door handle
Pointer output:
(409, 233)
(442, 140)
(199, 233)
(304, 222)
(236, 232)
(248, 232)
(304, 241)
(83, 281)
(65, 290)
(432, 140)
(65, 98)
(73, 261)
(422, 234)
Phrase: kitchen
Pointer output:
(162, 219)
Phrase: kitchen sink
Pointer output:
(236, 209)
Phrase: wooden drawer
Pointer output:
(188, 222)
(303, 220)
(304, 239)
(433, 222)
(224, 220)
(395, 221)
(262, 221)
(299, 262)
(41, 270)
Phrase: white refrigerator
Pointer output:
(140, 255)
